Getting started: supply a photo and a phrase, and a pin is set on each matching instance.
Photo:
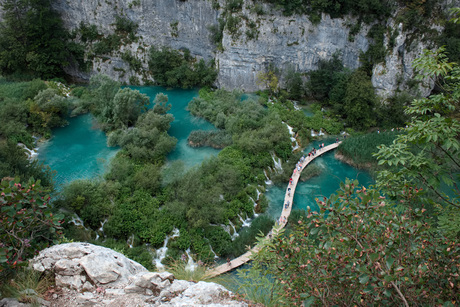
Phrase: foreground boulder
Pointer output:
(90, 275)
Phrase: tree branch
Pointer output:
(399, 293)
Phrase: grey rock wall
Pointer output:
(285, 41)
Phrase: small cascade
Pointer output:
(235, 234)
(255, 204)
(296, 106)
(268, 181)
(191, 265)
(246, 222)
(31, 153)
(293, 139)
(320, 133)
(101, 229)
(212, 251)
(258, 194)
(130, 241)
(226, 228)
(161, 252)
(276, 162)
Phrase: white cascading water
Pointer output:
(235, 234)
(246, 222)
(313, 133)
(31, 153)
(268, 181)
(276, 162)
(293, 139)
(212, 251)
(226, 228)
(161, 252)
(255, 204)
(191, 265)
(130, 241)
(101, 229)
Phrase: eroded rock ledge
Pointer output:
(90, 275)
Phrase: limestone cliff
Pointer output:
(254, 43)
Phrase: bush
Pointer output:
(27, 222)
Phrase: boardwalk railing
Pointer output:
(288, 199)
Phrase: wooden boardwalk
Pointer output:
(288, 198)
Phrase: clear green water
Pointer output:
(183, 124)
(77, 151)
(80, 151)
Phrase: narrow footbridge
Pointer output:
(286, 211)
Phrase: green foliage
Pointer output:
(27, 222)
(125, 25)
(88, 33)
(107, 44)
(294, 84)
(33, 41)
(390, 114)
(376, 51)
(359, 102)
(27, 286)
(365, 250)
(173, 68)
(360, 149)
(426, 154)
(215, 139)
(134, 63)
(217, 32)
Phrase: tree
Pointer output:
(269, 80)
(33, 40)
(427, 154)
(128, 104)
(27, 223)
(359, 101)
(361, 249)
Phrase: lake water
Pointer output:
(79, 150)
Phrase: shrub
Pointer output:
(27, 222)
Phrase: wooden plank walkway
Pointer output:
(288, 198)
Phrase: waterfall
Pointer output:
(235, 234)
(101, 229)
(296, 106)
(31, 153)
(255, 204)
(258, 194)
(320, 133)
(161, 252)
(77, 221)
(212, 251)
(293, 139)
(226, 228)
(268, 181)
(191, 265)
(276, 162)
(246, 222)
(130, 241)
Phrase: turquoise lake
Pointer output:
(79, 151)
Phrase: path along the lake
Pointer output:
(288, 199)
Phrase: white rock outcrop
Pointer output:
(98, 276)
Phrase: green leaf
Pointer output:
(389, 262)
(374, 256)
(364, 279)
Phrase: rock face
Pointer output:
(284, 41)
(95, 275)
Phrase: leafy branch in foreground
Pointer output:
(361, 249)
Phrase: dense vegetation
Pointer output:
(393, 244)
(33, 41)
(358, 150)
(173, 68)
